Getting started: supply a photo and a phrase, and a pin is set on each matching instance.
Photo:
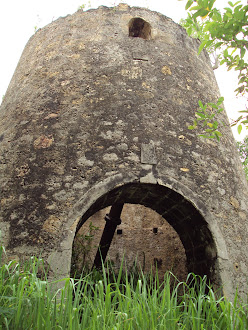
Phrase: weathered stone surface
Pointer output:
(148, 154)
(83, 100)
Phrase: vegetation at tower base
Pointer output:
(83, 247)
(225, 35)
(29, 301)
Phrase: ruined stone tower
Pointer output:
(97, 114)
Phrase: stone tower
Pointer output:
(96, 114)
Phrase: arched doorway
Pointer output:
(181, 215)
(143, 240)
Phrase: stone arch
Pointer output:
(139, 28)
(181, 214)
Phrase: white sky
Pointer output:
(18, 19)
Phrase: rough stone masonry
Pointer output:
(97, 113)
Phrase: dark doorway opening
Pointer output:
(181, 215)
(134, 241)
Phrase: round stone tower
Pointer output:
(95, 115)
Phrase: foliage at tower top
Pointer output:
(224, 33)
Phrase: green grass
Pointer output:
(108, 301)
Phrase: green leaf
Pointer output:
(202, 12)
(228, 11)
(217, 136)
(189, 4)
(215, 124)
(220, 100)
(239, 128)
(202, 45)
(237, 9)
(189, 31)
(196, 8)
(200, 114)
(209, 43)
(242, 52)
(220, 110)
(213, 105)
(200, 104)
(218, 44)
(211, 3)
(242, 80)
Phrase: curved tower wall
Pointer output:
(96, 114)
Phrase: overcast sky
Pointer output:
(20, 18)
